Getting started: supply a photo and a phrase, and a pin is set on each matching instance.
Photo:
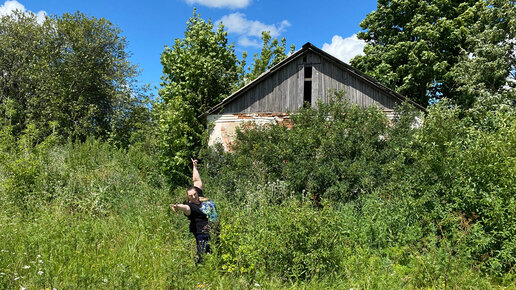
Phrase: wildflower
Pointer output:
(257, 285)
(40, 272)
(40, 261)
(1, 274)
(16, 278)
(105, 280)
(38, 256)
(26, 267)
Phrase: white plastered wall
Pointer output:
(223, 127)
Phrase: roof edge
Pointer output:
(256, 80)
(310, 47)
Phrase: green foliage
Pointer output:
(467, 168)
(488, 59)
(414, 47)
(89, 177)
(69, 75)
(335, 151)
(199, 70)
(434, 210)
(310, 252)
(58, 249)
(407, 185)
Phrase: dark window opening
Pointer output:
(308, 72)
(304, 58)
(307, 94)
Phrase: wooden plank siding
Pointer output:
(357, 91)
(277, 93)
(281, 90)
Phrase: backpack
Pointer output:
(209, 209)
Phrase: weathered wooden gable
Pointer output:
(309, 75)
(278, 92)
(329, 75)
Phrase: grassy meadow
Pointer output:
(317, 206)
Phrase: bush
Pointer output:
(401, 180)
(392, 206)
(90, 177)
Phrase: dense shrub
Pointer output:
(90, 177)
(336, 151)
(381, 205)
(451, 179)
(465, 167)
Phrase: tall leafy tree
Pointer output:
(69, 75)
(199, 70)
(24, 65)
(487, 66)
(411, 46)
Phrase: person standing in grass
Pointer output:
(200, 211)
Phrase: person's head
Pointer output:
(192, 195)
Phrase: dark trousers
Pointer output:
(203, 246)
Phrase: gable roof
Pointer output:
(308, 47)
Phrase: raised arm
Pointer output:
(195, 175)
(182, 207)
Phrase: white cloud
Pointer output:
(40, 16)
(10, 6)
(345, 48)
(246, 42)
(250, 30)
(233, 4)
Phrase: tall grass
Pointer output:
(90, 215)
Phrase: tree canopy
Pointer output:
(199, 70)
(69, 75)
(415, 47)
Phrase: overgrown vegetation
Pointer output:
(447, 186)
(70, 76)
(342, 199)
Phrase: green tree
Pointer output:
(412, 46)
(69, 75)
(24, 64)
(199, 70)
(488, 63)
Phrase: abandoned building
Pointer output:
(306, 76)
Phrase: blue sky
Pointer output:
(150, 25)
